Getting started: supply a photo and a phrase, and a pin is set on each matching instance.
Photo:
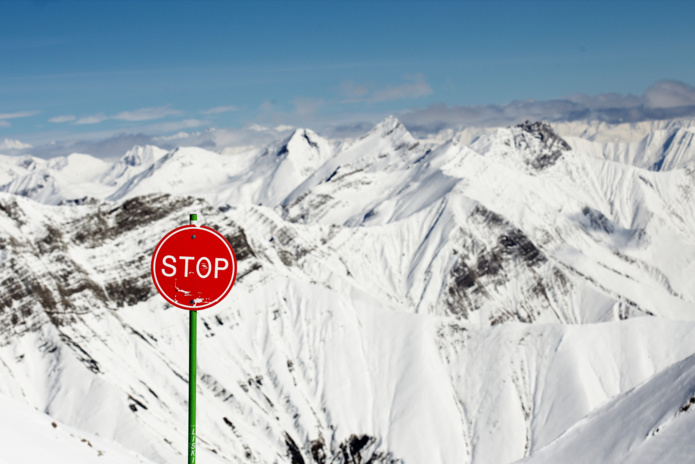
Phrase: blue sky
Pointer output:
(94, 69)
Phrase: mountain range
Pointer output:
(524, 294)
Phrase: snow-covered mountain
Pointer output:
(600, 131)
(660, 150)
(131, 164)
(397, 300)
(53, 181)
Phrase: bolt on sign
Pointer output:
(193, 268)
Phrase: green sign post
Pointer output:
(192, 364)
(192, 360)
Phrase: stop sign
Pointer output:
(193, 267)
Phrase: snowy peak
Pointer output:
(390, 141)
(305, 150)
(348, 185)
(27, 162)
(64, 178)
(543, 141)
(544, 133)
(298, 157)
(301, 139)
(529, 147)
(38, 185)
(388, 146)
(132, 163)
(185, 170)
(389, 126)
(142, 155)
(12, 167)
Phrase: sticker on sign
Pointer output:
(193, 267)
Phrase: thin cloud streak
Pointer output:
(18, 114)
(93, 119)
(63, 118)
(139, 115)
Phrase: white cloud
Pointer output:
(146, 114)
(63, 118)
(257, 128)
(279, 128)
(220, 109)
(93, 119)
(669, 94)
(177, 136)
(18, 114)
(142, 114)
(11, 144)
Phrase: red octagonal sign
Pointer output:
(193, 267)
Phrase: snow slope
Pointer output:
(287, 355)
(31, 436)
(647, 424)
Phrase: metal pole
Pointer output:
(192, 358)
(191, 385)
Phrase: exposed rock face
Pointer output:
(67, 276)
(548, 146)
(483, 273)
(94, 261)
(356, 449)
